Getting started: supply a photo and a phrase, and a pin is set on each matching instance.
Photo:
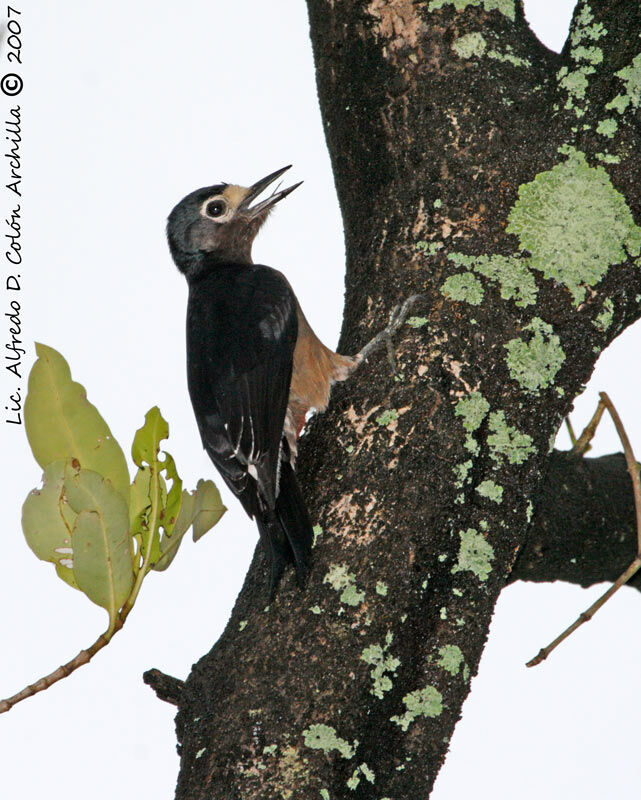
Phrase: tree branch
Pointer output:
(583, 528)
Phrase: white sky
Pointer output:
(128, 107)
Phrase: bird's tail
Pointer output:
(287, 530)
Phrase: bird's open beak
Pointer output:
(254, 211)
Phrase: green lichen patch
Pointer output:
(506, 441)
(464, 288)
(574, 223)
(511, 272)
(431, 248)
(381, 588)
(342, 580)
(631, 77)
(469, 45)
(534, 364)
(515, 279)
(508, 57)
(460, 472)
(324, 794)
(363, 770)
(427, 702)
(322, 737)
(317, 531)
(316, 609)
(604, 319)
(490, 490)
(242, 625)
(584, 56)
(386, 417)
(450, 658)
(416, 322)
(475, 554)
(377, 656)
(607, 127)
(473, 409)
(608, 158)
(506, 7)
(269, 750)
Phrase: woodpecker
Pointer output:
(254, 365)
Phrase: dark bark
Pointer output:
(583, 530)
(352, 688)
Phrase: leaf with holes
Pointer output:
(61, 423)
(102, 560)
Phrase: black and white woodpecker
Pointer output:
(254, 365)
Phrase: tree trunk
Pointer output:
(501, 181)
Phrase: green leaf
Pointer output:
(173, 501)
(203, 508)
(47, 521)
(147, 439)
(61, 423)
(208, 508)
(100, 539)
(169, 543)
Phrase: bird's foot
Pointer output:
(396, 319)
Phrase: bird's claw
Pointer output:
(397, 317)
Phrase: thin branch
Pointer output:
(582, 444)
(633, 469)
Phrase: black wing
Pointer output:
(241, 334)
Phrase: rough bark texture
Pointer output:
(470, 164)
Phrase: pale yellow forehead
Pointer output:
(235, 194)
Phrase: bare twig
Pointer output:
(83, 657)
(582, 444)
(633, 468)
(571, 433)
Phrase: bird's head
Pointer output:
(220, 222)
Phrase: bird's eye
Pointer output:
(216, 208)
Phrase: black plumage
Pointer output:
(242, 329)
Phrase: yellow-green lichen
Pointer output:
(431, 248)
(607, 127)
(427, 702)
(490, 490)
(381, 588)
(604, 319)
(416, 322)
(473, 409)
(342, 580)
(608, 158)
(508, 57)
(574, 223)
(450, 658)
(363, 770)
(460, 472)
(322, 737)
(475, 554)
(324, 794)
(506, 441)
(386, 417)
(631, 77)
(471, 44)
(534, 364)
(510, 272)
(377, 657)
(269, 750)
(315, 609)
(242, 625)
(506, 7)
(317, 531)
(464, 288)
(584, 56)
